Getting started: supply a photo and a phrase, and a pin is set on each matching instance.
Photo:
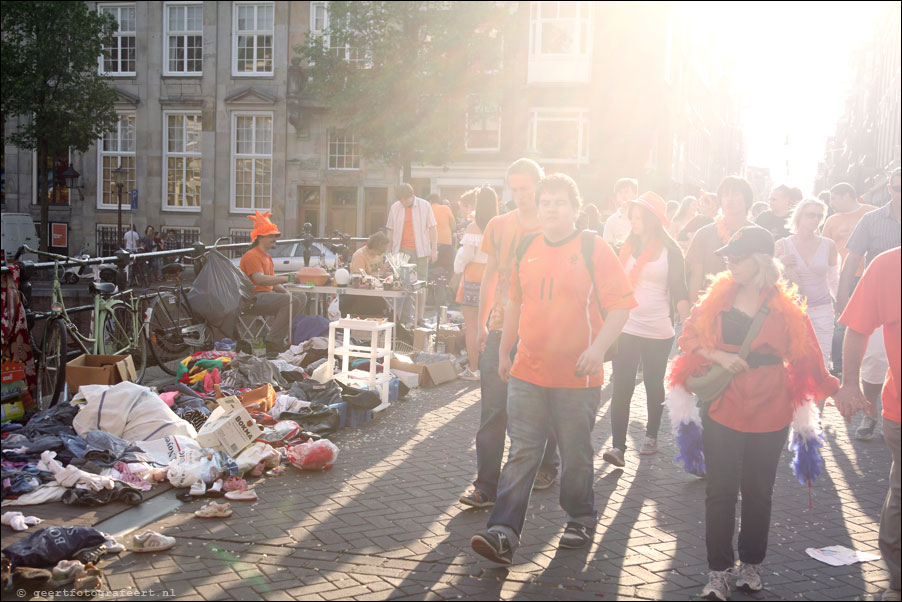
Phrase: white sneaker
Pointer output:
(650, 446)
(718, 587)
(747, 577)
(198, 488)
(469, 375)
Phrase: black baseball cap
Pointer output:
(749, 240)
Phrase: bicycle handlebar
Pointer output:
(63, 258)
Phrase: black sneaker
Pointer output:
(576, 536)
(494, 546)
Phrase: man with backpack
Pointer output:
(569, 299)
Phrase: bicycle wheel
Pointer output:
(52, 369)
(168, 315)
(122, 334)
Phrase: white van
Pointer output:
(18, 229)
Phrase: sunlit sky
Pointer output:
(791, 71)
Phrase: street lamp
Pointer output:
(119, 181)
(71, 177)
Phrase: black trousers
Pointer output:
(735, 462)
(654, 354)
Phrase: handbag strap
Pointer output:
(755, 328)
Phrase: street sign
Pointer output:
(134, 197)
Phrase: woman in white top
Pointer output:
(812, 262)
(470, 262)
(654, 263)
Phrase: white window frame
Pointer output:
(184, 33)
(255, 33)
(480, 102)
(234, 156)
(580, 116)
(314, 31)
(583, 28)
(354, 144)
(34, 182)
(185, 154)
(101, 153)
(117, 39)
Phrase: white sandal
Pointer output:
(214, 510)
(248, 495)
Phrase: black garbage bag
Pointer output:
(314, 391)
(46, 547)
(219, 292)
(317, 418)
(359, 399)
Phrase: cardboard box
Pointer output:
(229, 428)
(99, 370)
(429, 375)
(455, 340)
(262, 398)
(421, 338)
(411, 380)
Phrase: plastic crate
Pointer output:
(344, 411)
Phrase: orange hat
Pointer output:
(262, 225)
(654, 203)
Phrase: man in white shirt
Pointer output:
(131, 240)
(412, 229)
(617, 227)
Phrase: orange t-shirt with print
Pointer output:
(408, 238)
(875, 303)
(559, 310)
(838, 228)
(445, 223)
(499, 241)
(256, 260)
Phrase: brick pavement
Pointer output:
(384, 523)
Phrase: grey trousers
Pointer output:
(890, 523)
(277, 304)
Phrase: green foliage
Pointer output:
(398, 74)
(49, 74)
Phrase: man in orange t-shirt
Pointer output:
(876, 303)
(556, 307)
(499, 242)
(270, 297)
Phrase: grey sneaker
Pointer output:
(477, 499)
(544, 480)
(747, 577)
(718, 587)
(614, 456)
(650, 446)
(865, 431)
(576, 536)
(493, 546)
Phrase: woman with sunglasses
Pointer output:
(812, 263)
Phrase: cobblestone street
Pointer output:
(384, 523)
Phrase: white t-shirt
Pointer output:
(131, 240)
(617, 228)
(651, 318)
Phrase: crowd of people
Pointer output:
(757, 298)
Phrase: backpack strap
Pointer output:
(522, 247)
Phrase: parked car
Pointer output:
(18, 230)
(290, 258)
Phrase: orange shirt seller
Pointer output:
(270, 297)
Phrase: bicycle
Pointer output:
(116, 326)
(173, 330)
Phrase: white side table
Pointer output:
(379, 353)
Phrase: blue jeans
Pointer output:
(493, 423)
(571, 414)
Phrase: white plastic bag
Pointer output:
(256, 453)
(334, 312)
(128, 411)
(167, 449)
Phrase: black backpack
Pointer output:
(587, 248)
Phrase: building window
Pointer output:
(559, 28)
(107, 240)
(184, 236)
(184, 35)
(181, 141)
(116, 149)
(119, 58)
(344, 150)
(252, 37)
(559, 135)
(483, 125)
(251, 161)
(55, 166)
(237, 236)
(309, 204)
(318, 18)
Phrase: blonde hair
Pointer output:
(770, 271)
(797, 213)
